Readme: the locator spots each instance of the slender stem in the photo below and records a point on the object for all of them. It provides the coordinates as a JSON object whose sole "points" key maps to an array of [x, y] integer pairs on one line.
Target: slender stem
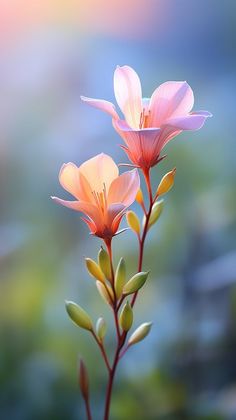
{"points": [[110, 384], [115, 311], [120, 340], [104, 355], [88, 411], [122, 337], [145, 229]]}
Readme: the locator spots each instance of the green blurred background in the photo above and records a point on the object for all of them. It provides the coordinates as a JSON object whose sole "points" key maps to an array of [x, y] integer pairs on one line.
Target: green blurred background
{"points": [[51, 53]]}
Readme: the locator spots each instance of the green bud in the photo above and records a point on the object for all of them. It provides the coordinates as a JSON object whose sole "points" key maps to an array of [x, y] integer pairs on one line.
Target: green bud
{"points": [[140, 333], [105, 292], [126, 317], [120, 278], [104, 263], [133, 221], [156, 212], [101, 328], [135, 283], [94, 270], [79, 316]]}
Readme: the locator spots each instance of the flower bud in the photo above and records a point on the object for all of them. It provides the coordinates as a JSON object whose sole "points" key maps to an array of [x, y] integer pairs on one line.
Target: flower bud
{"points": [[120, 278], [156, 212], [140, 333], [104, 263], [126, 317], [101, 328], [105, 292], [166, 183], [83, 380], [135, 283], [94, 270], [139, 197], [133, 221], [79, 316]]}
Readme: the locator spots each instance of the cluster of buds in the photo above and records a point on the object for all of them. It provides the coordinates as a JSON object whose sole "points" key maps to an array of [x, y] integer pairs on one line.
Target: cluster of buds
{"points": [[104, 197]]}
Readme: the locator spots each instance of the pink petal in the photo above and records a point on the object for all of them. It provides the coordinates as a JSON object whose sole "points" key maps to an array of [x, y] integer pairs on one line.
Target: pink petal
{"points": [[105, 106], [124, 188], [99, 171], [143, 145], [192, 121], [171, 99], [128, 93]]}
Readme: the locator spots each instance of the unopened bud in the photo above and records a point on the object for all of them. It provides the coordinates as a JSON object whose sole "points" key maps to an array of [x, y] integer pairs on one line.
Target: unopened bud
{"points": [[166, 183], [120, 278], [101, 328], [156, 212], [105, 292], [139, 197], [135, 283], [104, 263], [78, 315], [140, 333], [83, 380], [126, 317], [133, 221], [94, 270]]}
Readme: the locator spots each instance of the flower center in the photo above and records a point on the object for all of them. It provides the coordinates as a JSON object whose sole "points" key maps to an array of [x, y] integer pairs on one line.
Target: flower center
{"points": [[144, 118], [100, 198]]}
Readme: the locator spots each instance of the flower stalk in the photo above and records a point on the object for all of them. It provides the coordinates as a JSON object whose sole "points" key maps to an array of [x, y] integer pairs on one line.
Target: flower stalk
{"points": [[104, 196]]}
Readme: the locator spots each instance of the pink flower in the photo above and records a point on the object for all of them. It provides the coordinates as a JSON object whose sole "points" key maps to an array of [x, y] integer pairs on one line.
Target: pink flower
{"points": [[101, 193], [149, 124]]}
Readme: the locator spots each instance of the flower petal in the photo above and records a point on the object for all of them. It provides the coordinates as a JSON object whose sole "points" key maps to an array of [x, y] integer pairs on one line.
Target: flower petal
{"points": [[192, 121], [117, 219], [128, 93], [171, 99], [99, 171], [143, 145], [87, 208], [113, 211], [124, 188], [105, 106], [69, 179]]}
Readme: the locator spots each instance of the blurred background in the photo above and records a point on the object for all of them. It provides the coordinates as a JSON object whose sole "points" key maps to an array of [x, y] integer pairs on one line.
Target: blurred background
{"points": [[51, 53]]}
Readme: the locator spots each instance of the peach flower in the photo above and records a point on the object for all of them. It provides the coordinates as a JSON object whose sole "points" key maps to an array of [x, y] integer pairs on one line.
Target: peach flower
{"points": [[149, 124], [101, 193]]}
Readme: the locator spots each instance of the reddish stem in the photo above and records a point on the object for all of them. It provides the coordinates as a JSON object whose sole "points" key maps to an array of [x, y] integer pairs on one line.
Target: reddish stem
{"points": [[88, 411], [145, 229], [122, 337], [104, 355]]}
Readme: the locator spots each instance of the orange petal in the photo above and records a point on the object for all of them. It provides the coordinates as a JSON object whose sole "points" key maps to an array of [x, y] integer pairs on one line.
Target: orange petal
{"points": [[98, 171], [87, 208], [124, 188], [69, 179]]}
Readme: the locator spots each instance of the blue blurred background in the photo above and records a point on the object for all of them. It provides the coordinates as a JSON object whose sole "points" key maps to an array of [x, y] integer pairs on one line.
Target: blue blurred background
{"points": [[51, 53]]}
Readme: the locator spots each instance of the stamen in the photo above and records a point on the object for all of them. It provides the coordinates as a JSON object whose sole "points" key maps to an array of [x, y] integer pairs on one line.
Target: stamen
{"points": [[141, 121], [101, 199], [144, 117]]}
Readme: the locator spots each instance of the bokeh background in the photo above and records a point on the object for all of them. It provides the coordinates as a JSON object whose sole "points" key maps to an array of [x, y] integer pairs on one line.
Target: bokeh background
{"points": [[51, 53]]}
